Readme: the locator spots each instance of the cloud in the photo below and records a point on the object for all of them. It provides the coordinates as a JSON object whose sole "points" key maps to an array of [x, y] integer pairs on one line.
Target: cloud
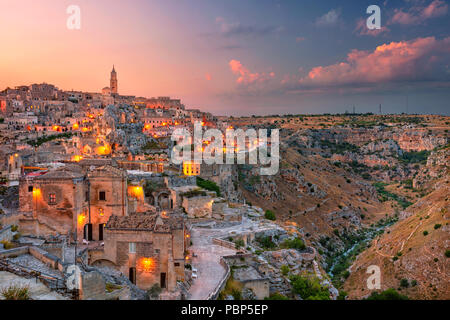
{"points": [[237, 29], [362, 30], [245, 77], [405, 61], [329, 19], [300, 39], [418, 13], [208, 76]]}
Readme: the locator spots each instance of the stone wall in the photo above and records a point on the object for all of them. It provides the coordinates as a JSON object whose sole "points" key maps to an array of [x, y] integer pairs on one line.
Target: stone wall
{"points": [[198, 207], [156, 253], [92, 286]]}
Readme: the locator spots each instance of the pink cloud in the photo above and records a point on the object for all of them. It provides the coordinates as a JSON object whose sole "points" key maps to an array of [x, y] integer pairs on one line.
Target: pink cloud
{"points": [[300, 39], [208, 76], [416, 60], [362, 30], [419, 14], [246, 77]]}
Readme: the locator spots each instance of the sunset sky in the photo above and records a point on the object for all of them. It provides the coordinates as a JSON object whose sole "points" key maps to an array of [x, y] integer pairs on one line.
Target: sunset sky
{"points": [[237, 57]]}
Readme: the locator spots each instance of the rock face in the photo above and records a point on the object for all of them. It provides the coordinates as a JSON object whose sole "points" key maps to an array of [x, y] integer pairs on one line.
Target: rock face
{"points": [[294, 259], [436, 167], [198, 207], [293, 177]]}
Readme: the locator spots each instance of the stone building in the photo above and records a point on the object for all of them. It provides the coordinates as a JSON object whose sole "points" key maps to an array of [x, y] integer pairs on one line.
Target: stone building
{"points": [[114, 82], [56, 200], [149, 248], [108, 196], [71, 199], [10, 163]]}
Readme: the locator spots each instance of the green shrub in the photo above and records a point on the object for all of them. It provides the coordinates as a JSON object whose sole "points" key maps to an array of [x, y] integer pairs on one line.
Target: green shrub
{"points": [[447, 253], [437, 226], [7, 245], [342, 295], [295, 243], [208, 185], [389, 294], [284, 270], [277, 296], [236, 293], [154, 291], [425, 233], [14, 228], [404, 283], [266, 242], [309, 288], [239, 243], [270, 215]]}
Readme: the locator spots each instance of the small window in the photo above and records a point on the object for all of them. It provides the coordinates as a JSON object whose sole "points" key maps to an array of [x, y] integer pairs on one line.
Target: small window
{"points": [[52, 198], [102, 196], [132, 247], [101, 213], [30, 188], [177, 264]]}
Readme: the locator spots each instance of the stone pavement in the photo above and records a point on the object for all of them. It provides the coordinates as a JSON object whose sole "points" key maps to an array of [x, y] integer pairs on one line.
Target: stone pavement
{"points": [[210, 271]]}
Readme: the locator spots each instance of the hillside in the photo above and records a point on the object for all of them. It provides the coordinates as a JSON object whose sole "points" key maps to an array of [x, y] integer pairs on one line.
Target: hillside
{"points": [[413, 249]]}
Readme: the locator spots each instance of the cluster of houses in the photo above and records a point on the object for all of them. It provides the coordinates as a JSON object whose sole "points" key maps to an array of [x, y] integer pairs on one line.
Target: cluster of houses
{"points": [[93, 168]]}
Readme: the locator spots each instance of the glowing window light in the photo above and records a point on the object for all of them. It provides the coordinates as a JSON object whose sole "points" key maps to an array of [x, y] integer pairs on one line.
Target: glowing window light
{"points": [[136, 192], [77, 158], [147, 264], [81, 219], [36, 193]]}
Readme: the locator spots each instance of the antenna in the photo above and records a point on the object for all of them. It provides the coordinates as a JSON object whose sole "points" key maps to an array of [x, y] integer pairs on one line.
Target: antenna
{"points": [[407, 104]]}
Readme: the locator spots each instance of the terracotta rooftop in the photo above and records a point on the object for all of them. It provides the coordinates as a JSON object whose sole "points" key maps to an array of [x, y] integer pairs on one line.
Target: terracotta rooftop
{"points": [[67, 172], [145, 222]]}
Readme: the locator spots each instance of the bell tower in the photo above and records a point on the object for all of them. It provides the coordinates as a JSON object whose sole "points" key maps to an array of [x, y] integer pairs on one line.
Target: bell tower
{"points": [[113, 81]]}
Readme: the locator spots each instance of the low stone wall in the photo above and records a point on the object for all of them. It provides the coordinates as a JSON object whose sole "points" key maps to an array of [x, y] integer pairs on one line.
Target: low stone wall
{"points": [[310, 255], [215, 294], [47, 258], [14, 252], [224, 243], [6, 234], [238, 259]]}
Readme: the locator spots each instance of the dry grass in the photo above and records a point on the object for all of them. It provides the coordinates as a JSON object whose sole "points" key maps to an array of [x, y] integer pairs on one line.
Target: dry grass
{"points": [[15, 292]]}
